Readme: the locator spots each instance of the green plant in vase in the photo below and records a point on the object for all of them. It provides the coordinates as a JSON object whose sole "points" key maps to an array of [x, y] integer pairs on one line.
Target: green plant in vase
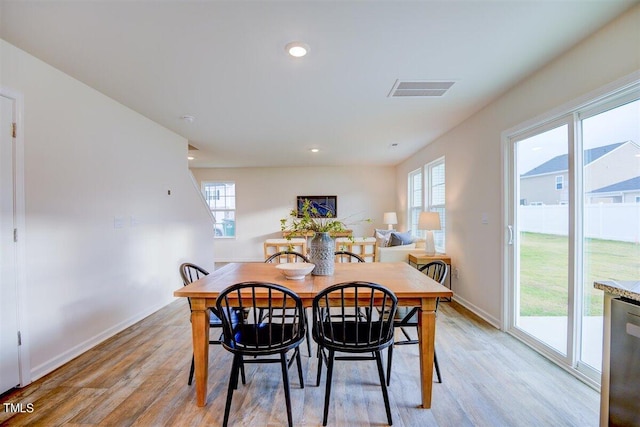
{"points": [[321, 245], [310, 220]]}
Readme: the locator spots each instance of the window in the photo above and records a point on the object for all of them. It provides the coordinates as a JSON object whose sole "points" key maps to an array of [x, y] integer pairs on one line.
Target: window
{"points": [[559, 182], [427, 193], [415, 200], [436, 198], [221, 198]]}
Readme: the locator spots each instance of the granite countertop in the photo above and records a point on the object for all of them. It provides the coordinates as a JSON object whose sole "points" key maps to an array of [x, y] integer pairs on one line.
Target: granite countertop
{"points": [[624, 288]]}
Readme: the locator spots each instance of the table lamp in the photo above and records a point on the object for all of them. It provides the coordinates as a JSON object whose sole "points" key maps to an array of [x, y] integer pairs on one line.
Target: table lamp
{"points": [[390, 218], [429, 221]]}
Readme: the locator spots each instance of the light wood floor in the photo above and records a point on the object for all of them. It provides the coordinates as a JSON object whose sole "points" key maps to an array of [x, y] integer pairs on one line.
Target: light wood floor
{"points": [[139, 377]]}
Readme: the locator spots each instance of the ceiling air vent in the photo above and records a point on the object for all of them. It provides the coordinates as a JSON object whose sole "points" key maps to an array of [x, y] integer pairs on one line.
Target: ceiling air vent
{"points": [[420, 88]]}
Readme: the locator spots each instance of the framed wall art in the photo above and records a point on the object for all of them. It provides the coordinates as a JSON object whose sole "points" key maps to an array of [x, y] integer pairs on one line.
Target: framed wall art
{"points": [[327, 206]]}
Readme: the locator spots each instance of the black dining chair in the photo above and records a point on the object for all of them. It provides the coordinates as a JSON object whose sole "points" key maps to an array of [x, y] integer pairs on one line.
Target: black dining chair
{"points": [[408, 316], [361, 337], [257, 337], [346, 256], [190, 273], [289, 256]]}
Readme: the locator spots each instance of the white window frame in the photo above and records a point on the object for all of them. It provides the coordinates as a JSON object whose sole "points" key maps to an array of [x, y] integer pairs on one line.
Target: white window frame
{"points": [[431, 206], [228, 211], [415, 204], [421, 199]]}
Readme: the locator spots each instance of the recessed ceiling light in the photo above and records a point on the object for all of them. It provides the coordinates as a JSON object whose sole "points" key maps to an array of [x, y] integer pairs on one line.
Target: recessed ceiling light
{"points": [[297, 49], [190, 158], [314, 150]]}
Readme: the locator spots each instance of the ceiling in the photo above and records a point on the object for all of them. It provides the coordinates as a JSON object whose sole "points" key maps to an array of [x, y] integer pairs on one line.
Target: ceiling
{"points": [[224, 63]]}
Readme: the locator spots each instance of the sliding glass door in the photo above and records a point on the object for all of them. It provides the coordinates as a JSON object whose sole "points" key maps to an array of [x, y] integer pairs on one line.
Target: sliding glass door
{"points": [[574, 218], [542, 230], [610, 213]]}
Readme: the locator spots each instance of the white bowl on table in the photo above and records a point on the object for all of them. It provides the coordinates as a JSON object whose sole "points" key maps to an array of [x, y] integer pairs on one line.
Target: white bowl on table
{"points": [[295, 270]]}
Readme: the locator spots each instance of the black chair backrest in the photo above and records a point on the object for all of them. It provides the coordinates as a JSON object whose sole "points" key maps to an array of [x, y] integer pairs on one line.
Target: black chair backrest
{"points": [[287, 256], [346, 256], [190, 273], [437, 270], [263, 329], [336, 327]]}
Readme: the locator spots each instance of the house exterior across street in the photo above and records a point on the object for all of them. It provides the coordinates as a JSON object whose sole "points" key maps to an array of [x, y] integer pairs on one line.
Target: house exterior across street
{"points": [[627, 191], [610, 170]]}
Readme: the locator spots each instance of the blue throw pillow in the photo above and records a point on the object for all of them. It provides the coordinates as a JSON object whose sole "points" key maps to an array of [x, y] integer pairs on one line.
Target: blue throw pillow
{"points": [[399, 239]]}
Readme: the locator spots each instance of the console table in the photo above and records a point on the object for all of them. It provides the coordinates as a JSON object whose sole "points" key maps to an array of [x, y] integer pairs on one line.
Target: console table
{"points": [[271, 246], [418, 259]]}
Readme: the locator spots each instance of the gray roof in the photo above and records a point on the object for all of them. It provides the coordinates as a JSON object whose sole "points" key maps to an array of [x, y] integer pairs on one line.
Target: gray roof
{"points": [[561, 163], [632, 184]]}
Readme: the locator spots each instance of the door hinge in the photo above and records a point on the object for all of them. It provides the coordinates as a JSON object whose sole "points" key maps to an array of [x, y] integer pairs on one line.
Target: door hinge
{"points": [[19, 338], [15, 234], [13, 130]]}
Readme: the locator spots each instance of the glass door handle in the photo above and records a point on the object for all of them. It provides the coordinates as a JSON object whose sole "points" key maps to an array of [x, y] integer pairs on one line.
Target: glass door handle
{"points": [[510, 228]]}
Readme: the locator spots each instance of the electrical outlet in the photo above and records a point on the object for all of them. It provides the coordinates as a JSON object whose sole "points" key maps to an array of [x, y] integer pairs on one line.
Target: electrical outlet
{"points": [[456, 272]]}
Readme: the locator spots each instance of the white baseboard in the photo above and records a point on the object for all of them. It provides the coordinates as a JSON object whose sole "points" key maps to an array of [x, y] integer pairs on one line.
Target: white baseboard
{"points": [[478, 311], [53, 364]]}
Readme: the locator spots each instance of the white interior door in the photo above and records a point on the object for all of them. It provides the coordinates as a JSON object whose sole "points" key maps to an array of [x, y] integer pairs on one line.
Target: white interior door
{"points": [[9, 354]]}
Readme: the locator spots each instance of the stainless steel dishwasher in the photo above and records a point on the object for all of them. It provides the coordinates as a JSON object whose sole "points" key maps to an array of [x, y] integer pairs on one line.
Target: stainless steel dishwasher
{"points": [[624, 387]]}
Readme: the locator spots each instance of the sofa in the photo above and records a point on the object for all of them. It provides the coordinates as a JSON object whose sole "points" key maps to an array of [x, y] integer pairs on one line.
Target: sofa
{"points": [[398, 253]]}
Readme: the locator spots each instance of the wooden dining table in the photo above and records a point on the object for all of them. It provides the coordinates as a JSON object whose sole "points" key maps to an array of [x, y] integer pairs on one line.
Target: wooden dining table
{"points": [[412, 288]]}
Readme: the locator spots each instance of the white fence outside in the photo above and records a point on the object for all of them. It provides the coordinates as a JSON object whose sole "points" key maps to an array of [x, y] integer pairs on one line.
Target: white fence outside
{"points": [[608, 221]]}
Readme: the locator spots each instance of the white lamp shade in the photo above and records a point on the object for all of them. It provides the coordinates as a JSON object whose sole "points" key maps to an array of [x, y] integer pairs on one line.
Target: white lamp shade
{"points": [[390, 218], [429, 221]]}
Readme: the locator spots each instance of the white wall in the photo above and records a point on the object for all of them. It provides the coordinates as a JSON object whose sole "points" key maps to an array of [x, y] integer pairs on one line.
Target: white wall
{"points": [[265, 195], [89, 161], [473, 155]]}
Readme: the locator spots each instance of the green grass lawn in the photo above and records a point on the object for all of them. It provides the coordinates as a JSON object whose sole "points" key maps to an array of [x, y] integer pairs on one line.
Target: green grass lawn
{"points": [[544, 272]]}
